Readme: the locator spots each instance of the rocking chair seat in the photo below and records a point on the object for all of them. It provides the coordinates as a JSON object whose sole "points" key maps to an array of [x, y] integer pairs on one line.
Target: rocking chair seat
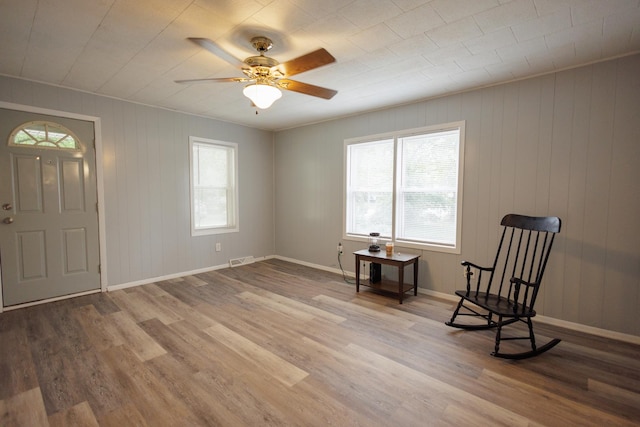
{"points": [[496, 304]]}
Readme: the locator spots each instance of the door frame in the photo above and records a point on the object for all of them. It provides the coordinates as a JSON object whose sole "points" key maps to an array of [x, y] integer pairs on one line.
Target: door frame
{"points": [[99, 186]]}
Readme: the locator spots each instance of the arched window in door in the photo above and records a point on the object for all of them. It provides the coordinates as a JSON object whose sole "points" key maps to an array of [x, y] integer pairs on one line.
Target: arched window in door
{"points": [[43, 134]]}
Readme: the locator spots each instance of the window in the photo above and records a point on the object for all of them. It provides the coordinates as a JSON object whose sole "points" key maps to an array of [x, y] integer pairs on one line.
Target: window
{"points": [[41, 134], [407, 186], [214, 190]]}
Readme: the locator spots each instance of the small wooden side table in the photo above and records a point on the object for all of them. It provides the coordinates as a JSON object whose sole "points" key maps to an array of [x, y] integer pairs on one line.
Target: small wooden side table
{"points": [[396, 259]]}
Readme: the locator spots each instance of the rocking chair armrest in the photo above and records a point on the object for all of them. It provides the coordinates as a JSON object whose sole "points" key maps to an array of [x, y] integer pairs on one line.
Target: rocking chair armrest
{"points": [[470, 264], [467, 266], [518, 282]]}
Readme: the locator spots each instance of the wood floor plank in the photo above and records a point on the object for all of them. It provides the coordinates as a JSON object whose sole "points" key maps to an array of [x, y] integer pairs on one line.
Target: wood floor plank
{"points": [[192, 352], [17, 371], [293, 313], [206, 408], [54, 360], [79, 415], [127, 415], [414, 385], [615, 394], [24, 409], [355, 385], [124, 328], [185, 311], [150, 397], [273, 365], [142, 307], [97, 328], [277, 343], [243, 400], [300, 306], [367, 314], [564, 411]]}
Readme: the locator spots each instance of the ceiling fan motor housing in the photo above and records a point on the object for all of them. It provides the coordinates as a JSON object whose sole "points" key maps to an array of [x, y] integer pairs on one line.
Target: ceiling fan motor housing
{"points": [[261, 61]]}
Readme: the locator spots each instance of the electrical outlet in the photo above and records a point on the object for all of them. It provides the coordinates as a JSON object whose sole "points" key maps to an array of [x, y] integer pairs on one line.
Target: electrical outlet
{"points": [[339, 248], [218, 247]]}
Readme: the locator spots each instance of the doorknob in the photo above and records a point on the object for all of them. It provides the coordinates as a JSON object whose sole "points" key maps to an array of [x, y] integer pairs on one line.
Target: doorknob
{"points": [[7, 206], [8, 220]]}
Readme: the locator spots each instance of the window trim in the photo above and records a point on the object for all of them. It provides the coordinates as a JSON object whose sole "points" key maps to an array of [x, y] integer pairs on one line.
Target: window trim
{"points": [[230, 228], [395, 135]]}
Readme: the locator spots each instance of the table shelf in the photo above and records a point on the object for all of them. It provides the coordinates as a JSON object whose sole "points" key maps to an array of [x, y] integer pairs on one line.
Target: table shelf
{"points": [[396, 259]]}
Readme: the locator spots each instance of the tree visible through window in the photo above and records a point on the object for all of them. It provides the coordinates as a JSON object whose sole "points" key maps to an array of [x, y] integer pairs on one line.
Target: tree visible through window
{"points": [[407, 186], [42, 134], [213, 186]]}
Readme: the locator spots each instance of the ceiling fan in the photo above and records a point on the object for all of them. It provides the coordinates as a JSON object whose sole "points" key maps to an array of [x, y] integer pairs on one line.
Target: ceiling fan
{"points": [[266, 75]]}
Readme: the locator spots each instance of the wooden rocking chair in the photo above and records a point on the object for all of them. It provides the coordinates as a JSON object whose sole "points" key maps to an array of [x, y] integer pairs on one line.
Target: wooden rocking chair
{"points": [[509, 293]]}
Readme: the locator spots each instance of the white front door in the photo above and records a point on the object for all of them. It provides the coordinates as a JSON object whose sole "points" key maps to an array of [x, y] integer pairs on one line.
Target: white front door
{"points": [[48, 213]]}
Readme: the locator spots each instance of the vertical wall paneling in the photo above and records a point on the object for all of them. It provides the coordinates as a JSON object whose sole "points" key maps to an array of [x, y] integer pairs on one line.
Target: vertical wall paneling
{"points": [[600, 132], [526, 144], [563, 144], [560, 132], [145, 183], [470, 111], [622, 272], [484, 159], [573, 232]]}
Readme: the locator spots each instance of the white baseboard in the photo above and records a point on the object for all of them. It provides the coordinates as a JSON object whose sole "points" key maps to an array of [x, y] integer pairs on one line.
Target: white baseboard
{"points": [[316, 266], [120, 286]]}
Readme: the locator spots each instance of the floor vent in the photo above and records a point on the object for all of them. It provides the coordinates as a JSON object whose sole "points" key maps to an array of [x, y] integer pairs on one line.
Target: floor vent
{"points": [[236, 262]]}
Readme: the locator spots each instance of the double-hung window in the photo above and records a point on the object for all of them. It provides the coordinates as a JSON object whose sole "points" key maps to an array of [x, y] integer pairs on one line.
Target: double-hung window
{"points": [[407, 186], [214, 186]]}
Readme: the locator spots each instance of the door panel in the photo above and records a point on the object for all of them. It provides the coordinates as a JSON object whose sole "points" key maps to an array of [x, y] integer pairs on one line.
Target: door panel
{"points": [[74, 250], [51, 248], [72, 186], [32, 258], [28, 183]]}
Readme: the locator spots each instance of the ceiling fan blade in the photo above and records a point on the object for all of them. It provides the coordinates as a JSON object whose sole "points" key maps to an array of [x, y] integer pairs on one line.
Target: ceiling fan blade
{"points": [[215, 80], [306, 62], [306, 88], [214, 48]]}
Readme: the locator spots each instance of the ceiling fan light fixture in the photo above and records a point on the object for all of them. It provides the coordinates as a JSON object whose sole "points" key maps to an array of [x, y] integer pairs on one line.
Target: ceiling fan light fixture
{"points": [[262, 95]]}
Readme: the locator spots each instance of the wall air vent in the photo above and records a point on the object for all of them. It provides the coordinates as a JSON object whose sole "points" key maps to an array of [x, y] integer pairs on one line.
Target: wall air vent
{"points": [[236, 262]]}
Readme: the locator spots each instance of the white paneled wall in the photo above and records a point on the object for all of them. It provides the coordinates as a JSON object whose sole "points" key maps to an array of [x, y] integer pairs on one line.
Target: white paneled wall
{"points": [[146, 183], [566, 144]]}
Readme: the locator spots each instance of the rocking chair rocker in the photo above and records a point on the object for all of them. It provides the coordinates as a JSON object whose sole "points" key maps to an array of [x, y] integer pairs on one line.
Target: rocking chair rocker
{"points": [[514, 280]]}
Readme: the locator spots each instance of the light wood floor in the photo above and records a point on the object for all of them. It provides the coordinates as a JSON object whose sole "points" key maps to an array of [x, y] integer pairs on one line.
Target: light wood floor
{"points": [[275, 343]]}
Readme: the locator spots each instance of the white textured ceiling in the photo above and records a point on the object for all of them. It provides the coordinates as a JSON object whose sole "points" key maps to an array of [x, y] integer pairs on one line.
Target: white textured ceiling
{"points": [[388, 51]]}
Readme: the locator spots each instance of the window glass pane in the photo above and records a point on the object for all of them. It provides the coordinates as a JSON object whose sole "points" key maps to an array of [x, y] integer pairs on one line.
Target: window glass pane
{"points": [[213, 192], [428, 217], [210, 206], [428, 187], [44, 135], [23, 138], [371, 212], [370, 188]]}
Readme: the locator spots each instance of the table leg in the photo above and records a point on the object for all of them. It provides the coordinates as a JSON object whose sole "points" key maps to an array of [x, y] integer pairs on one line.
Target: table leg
{"points": [[415, 277], [401, 281], [357, 273]]}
